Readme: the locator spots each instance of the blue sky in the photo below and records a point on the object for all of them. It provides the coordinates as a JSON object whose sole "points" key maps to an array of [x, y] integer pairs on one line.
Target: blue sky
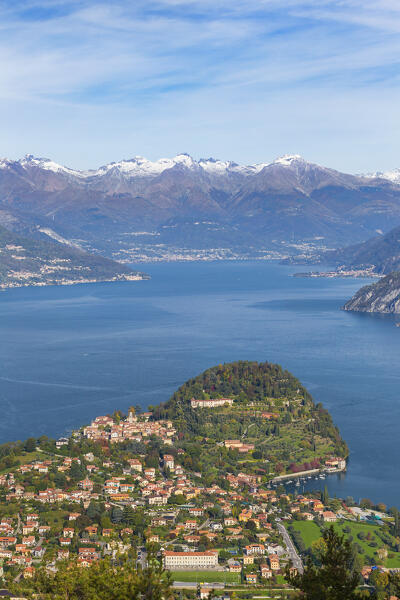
{"points": [[88, 82]]}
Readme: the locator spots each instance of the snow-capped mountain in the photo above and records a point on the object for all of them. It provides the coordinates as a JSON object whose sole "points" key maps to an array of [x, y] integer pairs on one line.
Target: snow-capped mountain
{"points": [[393, 176], [138, 166], [196, 203]]}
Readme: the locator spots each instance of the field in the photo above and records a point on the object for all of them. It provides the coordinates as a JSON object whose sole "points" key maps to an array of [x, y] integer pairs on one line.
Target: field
{"points": [[310, 532], [206, 576], [24, 458]]}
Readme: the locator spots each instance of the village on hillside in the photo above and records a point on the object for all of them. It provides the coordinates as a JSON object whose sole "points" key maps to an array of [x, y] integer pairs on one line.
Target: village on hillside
{"points": [[126, 485]]}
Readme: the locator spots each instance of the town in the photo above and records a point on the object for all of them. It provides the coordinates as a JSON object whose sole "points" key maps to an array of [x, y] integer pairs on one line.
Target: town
{"points": [[71, 504]]}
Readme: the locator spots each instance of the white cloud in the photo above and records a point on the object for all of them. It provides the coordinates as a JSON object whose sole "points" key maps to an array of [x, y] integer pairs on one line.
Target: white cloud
{"points": [[197, 74]]}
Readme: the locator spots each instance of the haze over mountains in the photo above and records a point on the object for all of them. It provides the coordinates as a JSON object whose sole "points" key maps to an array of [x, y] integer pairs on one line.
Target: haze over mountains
{"points": [[137, 208], [27, 261], [381, 253]]}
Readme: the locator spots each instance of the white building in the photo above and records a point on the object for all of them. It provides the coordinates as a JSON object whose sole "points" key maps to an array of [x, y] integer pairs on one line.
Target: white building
{"points": [[210, 403], [169, 462], [198, 560]]}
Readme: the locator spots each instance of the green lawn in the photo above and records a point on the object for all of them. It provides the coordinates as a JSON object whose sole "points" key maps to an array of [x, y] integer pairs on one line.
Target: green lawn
{"points": [[372, 529], [206, 576], [310, 532]]}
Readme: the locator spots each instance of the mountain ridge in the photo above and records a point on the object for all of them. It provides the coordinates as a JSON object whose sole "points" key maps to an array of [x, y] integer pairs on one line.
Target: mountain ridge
{"points": [[206, 205], [138, 164]]}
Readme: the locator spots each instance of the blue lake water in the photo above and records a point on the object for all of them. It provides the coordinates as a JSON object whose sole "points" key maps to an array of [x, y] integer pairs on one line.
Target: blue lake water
{"points": [[68, 354]]}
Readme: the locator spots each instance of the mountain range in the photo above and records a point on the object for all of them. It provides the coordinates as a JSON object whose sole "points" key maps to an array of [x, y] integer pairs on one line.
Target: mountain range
{"points": [[137, 209]]}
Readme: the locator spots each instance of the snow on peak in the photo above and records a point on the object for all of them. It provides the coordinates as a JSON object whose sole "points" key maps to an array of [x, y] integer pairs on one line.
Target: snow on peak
{"points": [[138, 166], [184, 159], [393, 176], [216, 166], [47, 164], [5, 163], [288, 159]]}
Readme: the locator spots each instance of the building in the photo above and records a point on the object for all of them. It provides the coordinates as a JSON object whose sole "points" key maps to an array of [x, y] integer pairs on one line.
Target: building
{"points": [[329, 516], [198, 560], [266, 572], [255, 549], [169, 461], [211, 403], [269, 415], [238, 445], [336, 463], [135, 465], [274, 562]]}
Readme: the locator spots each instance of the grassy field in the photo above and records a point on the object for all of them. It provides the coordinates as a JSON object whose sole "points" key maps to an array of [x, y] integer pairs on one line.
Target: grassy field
{"points": [[55, 517], [206, 576], [24, 458], [310, 532]]}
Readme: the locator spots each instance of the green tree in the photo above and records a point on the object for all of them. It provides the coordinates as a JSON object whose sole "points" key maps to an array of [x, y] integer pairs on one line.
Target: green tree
{"points": [[128, 515], [334, 578], [77, 472], [396, 522], [116, 514], [30, 444], [103, 580]]}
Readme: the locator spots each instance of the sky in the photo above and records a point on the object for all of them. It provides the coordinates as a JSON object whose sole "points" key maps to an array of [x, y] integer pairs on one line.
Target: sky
{"points": [[86, 83]]}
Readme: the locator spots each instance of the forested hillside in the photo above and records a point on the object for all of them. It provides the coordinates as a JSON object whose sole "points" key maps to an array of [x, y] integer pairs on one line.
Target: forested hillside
{"points": [[272, 414]]}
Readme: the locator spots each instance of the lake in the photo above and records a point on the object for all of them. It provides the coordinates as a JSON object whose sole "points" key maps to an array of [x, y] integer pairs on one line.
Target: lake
{"points": [[68, 354]]}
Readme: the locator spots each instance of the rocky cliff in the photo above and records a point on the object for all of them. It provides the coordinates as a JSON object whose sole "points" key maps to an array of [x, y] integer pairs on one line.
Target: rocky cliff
{"points": [[380, 297]]}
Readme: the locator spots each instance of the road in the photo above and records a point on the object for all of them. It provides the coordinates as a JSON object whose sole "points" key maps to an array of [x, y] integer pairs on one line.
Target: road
{"points": [[19, 528], [294, 557], [193, 584], [204, 525]]}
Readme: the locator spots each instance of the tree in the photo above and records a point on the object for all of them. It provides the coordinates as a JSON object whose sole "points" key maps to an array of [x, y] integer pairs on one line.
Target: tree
{"points": [[128, 515], [30, 444], [334, 578], [116, 514], [103, 580], [77, 472], [251, 525], [93, 511], [396, 522]]}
